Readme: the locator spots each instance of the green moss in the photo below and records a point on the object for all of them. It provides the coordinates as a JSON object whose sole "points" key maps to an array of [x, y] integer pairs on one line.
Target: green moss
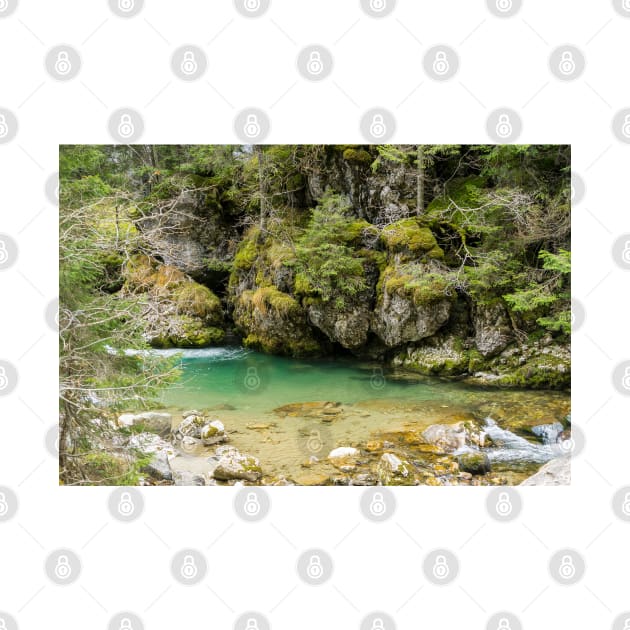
{"points": [[358, 156], [246, 255], [140, 271], [105, 468], [436, 253], [198, 301], [416, 283], [407, 234], [543, 372], [302, 286]]}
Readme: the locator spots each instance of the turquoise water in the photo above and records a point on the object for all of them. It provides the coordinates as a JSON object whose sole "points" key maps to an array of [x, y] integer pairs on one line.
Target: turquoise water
{"points": [[244, 389], [241, 377]]}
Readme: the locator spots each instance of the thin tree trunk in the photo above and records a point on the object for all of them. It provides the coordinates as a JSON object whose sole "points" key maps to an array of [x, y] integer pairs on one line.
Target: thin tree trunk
{"points": [[262, 184], [420, 181]]}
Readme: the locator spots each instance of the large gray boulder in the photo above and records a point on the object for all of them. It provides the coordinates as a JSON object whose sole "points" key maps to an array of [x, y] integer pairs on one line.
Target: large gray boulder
{"points": [[493, 331], [397, 319]]}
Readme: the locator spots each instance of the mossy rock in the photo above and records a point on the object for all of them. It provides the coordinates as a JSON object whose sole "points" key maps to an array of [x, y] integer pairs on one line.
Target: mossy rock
{"points": [[408, 234], [475, 462], [198, 301], [358, 156], [139, 272], [246, 255]]}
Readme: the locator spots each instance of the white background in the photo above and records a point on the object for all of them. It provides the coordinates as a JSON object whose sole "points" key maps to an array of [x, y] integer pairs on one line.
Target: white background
{"points": [[251, 62]]}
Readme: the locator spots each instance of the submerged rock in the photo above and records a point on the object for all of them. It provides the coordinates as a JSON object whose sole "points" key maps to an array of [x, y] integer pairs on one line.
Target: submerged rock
{"points": [[474, 462], [394, 471], [548, 433], [343, 452], [452, 437]]}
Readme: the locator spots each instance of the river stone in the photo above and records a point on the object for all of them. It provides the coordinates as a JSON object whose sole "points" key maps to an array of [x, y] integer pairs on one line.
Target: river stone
{"points": [[235, 465], [187, 478], [317, 408], [152, 421], [556, 472], [213, 433], [393, 470], [343, 452], [474, 462], [451, 437]]}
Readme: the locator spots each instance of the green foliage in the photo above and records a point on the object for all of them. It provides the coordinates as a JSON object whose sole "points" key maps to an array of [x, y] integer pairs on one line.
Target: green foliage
{"points": [[549, 298], [407, 234], [325, 261]]}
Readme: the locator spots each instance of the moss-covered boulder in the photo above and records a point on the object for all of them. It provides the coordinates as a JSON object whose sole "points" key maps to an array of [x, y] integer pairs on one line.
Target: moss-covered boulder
{"points": [[474, 462], [274, 322], [408, 235], [182, 313], [346, 324], [412, 303]]}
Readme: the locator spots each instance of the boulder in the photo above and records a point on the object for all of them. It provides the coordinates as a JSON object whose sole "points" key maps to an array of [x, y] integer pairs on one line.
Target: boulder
{"points": [[234, 465], [403, 313], [152, 421], [556, 472], [150, 444], [493, 331], [348, 326]]}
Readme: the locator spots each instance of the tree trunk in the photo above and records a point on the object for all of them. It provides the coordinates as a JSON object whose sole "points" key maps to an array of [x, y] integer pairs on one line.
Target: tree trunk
{"points": [[262, 186], [420, 181]]}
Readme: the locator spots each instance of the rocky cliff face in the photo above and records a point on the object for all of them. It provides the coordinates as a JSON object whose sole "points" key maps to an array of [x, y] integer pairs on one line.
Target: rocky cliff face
{"points": [[410, 311]]}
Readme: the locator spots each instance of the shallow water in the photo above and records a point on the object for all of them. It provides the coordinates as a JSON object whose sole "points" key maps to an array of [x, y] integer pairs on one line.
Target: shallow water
{"points": [[243, 388]]}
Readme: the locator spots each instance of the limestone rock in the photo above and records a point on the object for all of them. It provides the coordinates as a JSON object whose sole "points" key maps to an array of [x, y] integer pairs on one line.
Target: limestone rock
{"points": [[556, 472], [234, 465]]}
